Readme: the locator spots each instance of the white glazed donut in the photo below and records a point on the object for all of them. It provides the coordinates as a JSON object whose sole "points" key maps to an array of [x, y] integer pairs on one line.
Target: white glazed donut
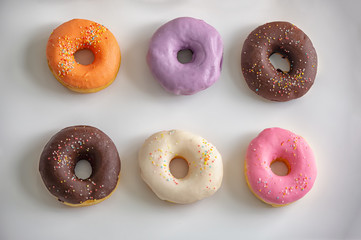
{"points": [[205, 172]]}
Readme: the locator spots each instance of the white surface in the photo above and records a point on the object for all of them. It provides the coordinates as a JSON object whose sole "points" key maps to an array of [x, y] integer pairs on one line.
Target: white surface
{"points": [[34, 106]]}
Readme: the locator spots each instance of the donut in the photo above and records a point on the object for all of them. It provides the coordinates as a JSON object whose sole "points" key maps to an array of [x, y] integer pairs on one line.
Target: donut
{"points": [[292, 43], [277, 144], [185, 33], [205, 172], [79, 34], [61, 154]]}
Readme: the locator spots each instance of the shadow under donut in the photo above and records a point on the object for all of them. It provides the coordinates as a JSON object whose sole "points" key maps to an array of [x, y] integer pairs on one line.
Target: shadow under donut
{"points": [[132, 182], [135, 64], [35, 61], [233, 54], [29, 176], [235, 180]]}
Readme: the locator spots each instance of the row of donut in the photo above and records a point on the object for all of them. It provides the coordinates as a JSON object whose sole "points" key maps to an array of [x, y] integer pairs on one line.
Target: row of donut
{"points": [[204, 68], [204, 177]]}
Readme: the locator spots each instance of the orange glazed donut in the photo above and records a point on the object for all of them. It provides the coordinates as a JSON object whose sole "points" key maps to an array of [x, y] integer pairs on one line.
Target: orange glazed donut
{"points": [[79, 34]]}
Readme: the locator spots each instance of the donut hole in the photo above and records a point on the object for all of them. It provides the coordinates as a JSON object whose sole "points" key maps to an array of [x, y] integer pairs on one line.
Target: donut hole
{"points": [[185, 56], [179, 167], [83, 169], [280, 167], [280, 62], [84, 56]]}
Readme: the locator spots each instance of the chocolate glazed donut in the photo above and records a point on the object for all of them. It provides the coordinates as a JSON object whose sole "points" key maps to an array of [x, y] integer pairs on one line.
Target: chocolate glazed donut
{"points": [[64, 150], [262, 77]]}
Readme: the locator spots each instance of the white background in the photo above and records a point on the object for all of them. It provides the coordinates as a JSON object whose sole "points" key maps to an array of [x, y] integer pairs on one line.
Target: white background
{"points": [[34, 106]]}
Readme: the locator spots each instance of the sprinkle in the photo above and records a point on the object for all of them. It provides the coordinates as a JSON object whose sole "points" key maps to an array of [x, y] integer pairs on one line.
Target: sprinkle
{"points": [[68, 46]]}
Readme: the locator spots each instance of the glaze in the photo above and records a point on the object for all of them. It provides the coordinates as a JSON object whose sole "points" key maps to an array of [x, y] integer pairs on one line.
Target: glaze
{"points": [[186, 33], [79, 34], [276, 144], [205, 166], [64, 150], [262, 77]]}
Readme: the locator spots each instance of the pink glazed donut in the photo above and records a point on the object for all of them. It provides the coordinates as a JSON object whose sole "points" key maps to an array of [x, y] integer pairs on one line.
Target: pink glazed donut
{"points": [[277, 144], [186, 33]]}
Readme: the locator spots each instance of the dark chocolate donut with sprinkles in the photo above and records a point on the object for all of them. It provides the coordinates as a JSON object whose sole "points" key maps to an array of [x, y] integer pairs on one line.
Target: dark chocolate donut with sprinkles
{"points": [[60, 156], [262, 77]]}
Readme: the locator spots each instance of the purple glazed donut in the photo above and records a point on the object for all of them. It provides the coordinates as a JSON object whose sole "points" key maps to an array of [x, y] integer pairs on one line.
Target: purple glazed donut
{"points": [[186, 33]]}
